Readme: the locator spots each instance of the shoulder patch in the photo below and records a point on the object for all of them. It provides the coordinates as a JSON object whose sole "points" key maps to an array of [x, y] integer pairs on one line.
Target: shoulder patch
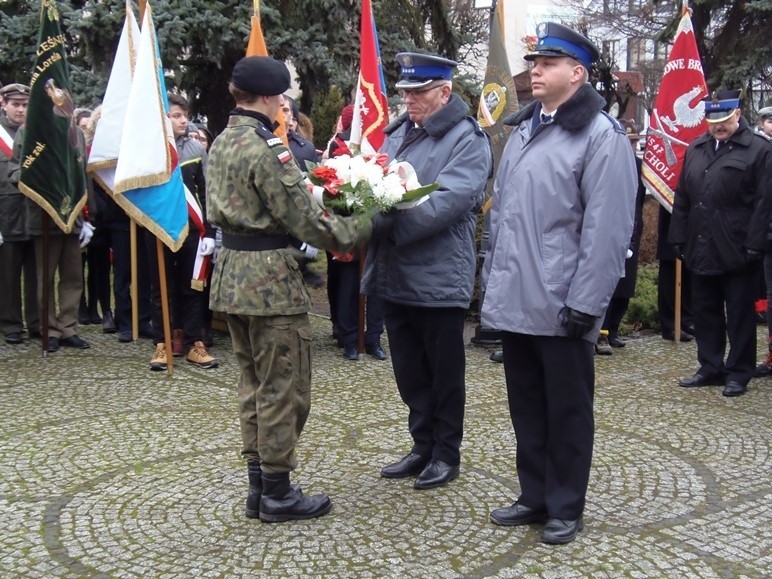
{"points": [[284, 156], [274, 141]]}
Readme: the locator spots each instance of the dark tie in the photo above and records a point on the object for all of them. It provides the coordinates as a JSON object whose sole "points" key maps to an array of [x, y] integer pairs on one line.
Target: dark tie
{"points": [[546, 119]]}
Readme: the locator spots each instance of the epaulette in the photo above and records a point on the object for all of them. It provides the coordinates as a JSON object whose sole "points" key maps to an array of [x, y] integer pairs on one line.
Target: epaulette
{"points": [[477, 128], [614, 123], [270, 139]]}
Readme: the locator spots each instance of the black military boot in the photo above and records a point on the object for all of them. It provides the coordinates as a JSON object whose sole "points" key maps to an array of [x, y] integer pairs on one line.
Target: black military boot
{"points": [[281, 502], [252, 510]]}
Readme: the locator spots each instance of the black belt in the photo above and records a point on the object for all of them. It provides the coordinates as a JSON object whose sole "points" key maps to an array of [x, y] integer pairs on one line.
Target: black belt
{"points": [[254, 242]]}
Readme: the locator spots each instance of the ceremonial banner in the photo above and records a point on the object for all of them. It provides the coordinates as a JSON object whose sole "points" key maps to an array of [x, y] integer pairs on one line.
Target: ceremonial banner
{"points": [[148, 181], [678, 116], [103, 156], [498, 98], [257, 47], [52, 165], [371, 108]]}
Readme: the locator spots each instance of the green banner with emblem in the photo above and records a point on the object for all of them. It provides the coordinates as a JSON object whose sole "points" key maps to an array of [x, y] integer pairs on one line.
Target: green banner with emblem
{"points": [[51, 162], [498, 98]]}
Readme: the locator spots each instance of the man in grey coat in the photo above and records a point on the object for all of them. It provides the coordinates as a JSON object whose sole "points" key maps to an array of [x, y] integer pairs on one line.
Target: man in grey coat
{"points": [[562, 216], [422, 263]]}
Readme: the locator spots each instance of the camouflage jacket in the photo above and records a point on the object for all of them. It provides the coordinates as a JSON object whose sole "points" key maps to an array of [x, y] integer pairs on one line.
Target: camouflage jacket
{"points": [[254, 188]]}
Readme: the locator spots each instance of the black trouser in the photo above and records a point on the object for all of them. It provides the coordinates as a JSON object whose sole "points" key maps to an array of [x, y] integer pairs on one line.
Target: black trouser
{"points": [[550, 387], [712, 295], [666, 297], [17, 258], [427, 352], [347, 301], [333, 285], [614, 314], [121, 244], [184, 301], [96, 284]]}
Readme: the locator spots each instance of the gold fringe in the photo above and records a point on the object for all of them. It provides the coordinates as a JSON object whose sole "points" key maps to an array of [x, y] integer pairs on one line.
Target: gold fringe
{"points": [[93, 167], [143, 220], [65, 226], [141, 182]]}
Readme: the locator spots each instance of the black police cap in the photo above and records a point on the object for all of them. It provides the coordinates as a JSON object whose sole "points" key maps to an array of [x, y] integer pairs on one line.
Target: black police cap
{"points": [[418, 70], [721, 104], [555, 39], [261, 75]]}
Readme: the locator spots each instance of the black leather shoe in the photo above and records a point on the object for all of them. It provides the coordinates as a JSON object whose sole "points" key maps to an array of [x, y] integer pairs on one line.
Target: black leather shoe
{"points": [[350, 352], [53, 345], [410, 465], [436, 474], [561, 531], [497, 356], [108, 323], [733, 388], [699, 380], [517, 514], [75, 341], [14, 338], [124, 336], [615, 341], [376, 351]]}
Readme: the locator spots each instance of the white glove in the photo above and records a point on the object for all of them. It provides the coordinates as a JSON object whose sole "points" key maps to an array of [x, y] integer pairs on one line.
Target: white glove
{"points": [[629, 254], [1, 239], [310, 251], [86, 233], [206, 246]]}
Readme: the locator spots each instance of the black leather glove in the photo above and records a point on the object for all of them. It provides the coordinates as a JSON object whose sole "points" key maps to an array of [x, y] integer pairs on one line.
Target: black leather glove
{"points": [[679, 250], [383, 225], [753, 254], [576, 323]]}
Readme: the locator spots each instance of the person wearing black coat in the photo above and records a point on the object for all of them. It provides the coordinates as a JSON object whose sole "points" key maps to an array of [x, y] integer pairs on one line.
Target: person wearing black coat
{"points": [[720, 222]]}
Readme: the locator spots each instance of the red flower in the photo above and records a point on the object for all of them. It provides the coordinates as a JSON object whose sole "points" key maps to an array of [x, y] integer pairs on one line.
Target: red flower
{"points": [[324, 173]]}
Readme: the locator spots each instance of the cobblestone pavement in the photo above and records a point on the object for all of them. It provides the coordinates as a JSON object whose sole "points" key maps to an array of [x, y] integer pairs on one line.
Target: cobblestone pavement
{"points": [[108, 469]]}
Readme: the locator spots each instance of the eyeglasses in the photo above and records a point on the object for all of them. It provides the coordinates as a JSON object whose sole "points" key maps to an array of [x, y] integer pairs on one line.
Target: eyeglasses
{"points": [[416, 92]]}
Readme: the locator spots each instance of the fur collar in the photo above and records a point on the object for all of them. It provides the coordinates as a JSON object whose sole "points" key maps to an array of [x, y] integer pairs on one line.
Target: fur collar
{"points": [[572, 115], [440, 122]]}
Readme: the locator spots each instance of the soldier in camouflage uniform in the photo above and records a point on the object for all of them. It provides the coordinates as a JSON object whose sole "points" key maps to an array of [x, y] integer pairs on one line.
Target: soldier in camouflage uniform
{"points": [[257, 196]]}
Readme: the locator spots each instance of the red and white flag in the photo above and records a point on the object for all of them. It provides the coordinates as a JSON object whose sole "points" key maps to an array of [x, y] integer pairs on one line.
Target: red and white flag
{"points": [[678, 116], [371, 108]]}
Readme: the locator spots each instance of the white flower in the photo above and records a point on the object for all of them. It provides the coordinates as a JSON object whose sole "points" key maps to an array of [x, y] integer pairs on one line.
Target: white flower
{"points": [[342, 166]]}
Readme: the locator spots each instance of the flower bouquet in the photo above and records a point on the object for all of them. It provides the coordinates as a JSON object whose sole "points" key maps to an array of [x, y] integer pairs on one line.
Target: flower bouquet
{"points": [[364, 184]]}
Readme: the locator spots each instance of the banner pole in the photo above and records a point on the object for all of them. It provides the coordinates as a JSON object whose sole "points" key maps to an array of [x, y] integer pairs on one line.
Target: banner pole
{"points": [[165, 306], [46, 281], [677, 320], [133, 286]]}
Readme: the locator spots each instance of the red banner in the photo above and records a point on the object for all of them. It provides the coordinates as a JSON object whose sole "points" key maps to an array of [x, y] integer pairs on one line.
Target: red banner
{"points": [[678, 116], [371, 109]]}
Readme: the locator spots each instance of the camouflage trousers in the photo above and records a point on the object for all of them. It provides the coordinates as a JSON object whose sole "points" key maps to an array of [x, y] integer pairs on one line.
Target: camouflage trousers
{"points": [[274, 355]]}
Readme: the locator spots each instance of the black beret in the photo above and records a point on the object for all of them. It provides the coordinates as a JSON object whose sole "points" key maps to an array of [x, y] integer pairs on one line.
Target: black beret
{"points": [[261, 75]]}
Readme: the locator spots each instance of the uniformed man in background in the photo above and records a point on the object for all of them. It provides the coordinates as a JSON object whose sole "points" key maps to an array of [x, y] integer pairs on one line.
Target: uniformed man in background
{"points": [[720, 223], [17, 253], [257, 196]]}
